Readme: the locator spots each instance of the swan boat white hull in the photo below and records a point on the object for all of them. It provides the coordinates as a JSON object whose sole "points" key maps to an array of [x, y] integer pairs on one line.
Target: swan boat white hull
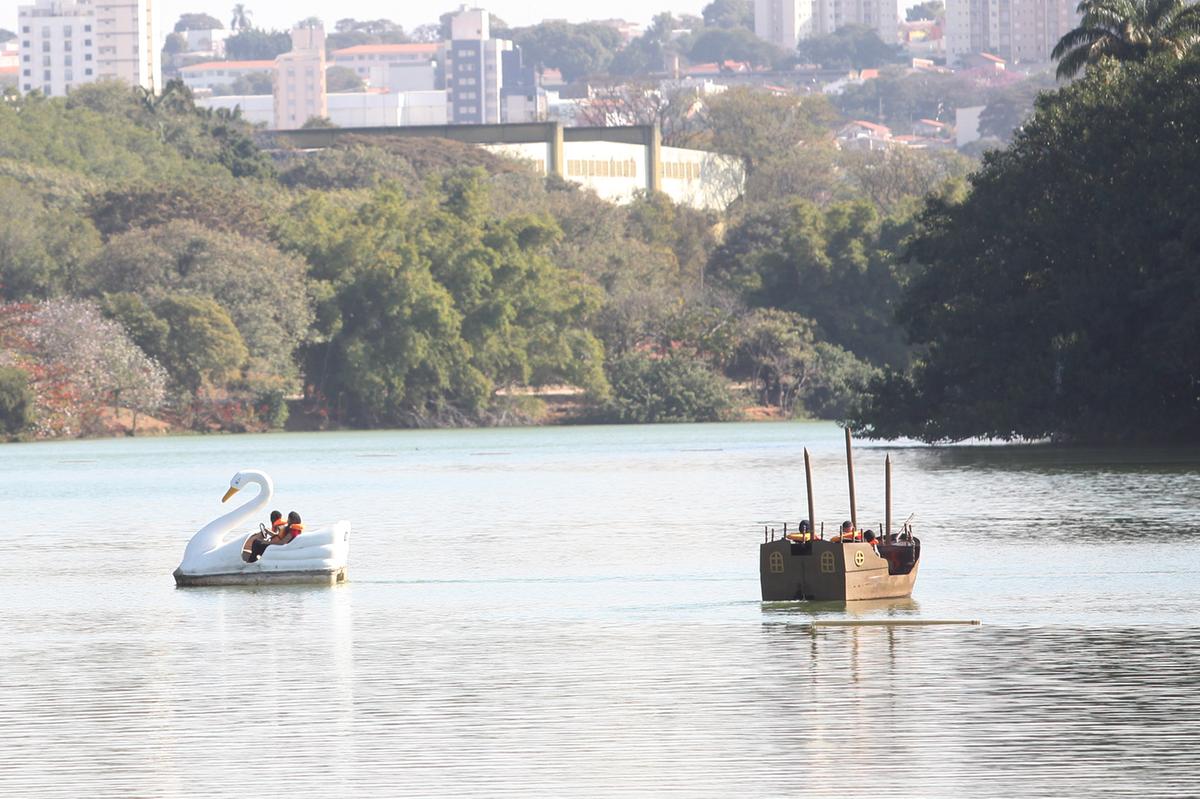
{"points": [[318, 557]]}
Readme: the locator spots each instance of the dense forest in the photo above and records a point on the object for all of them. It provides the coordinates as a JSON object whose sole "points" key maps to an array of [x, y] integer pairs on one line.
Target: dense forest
{"points": [[1060, 297], [165, 265]]}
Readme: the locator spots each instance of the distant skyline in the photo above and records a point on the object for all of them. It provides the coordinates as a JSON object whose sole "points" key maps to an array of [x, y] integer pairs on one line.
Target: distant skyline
{"points": [[282, 14]]}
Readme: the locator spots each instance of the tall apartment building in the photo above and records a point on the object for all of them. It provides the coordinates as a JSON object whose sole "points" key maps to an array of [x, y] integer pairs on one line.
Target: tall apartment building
{"points": [[68, 42], [882, 15], [486, 80], [300, 80], [474, 69], [783, 23], [1016, 30]]}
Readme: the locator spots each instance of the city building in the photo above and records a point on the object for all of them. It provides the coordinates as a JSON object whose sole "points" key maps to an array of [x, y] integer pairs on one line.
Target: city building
{"points": [[783, 23], [862, 135], [211, 74], [380, 64], [208, 43], [10, 64], [486, 79], [300, 79], [1020, 31], [64, 43], [882, 15], [617, 163], [375, 109], [474, 69], [58, 49]]}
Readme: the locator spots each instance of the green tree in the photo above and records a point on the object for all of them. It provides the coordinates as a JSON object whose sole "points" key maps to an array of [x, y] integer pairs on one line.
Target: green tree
{"points": [[1127, 30], [1077, 317], [343, 79], [6, 35], [729, 14], [143, 326], [256, 44], [241, 18], [261, 289], [42, 247], [197, 22], [928, 10], [898, 97], [854, 46], [202, 346], [736, 44], [318, 122], [175, 44], [676, 388], [576, 50], [16, 399], [253, 83], [1009, 106], [776, 350], [759, 126], [834, 266], [426, 306], [893, 178]]}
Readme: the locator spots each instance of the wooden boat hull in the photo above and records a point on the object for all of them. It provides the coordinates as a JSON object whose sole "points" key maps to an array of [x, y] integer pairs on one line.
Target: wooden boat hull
{"points": [[309, 577], [830, 571]]}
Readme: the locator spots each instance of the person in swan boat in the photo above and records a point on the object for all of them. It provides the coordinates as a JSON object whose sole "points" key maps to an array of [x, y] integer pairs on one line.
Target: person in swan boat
{"points": [[277, 534]]}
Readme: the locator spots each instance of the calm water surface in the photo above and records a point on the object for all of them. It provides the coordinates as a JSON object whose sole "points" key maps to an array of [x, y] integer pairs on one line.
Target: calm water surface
{"points": [[574, 612]]}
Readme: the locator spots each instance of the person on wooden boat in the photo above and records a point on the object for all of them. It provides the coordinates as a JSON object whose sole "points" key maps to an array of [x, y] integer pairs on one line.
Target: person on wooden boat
{"points": [[802, 534], [259, 545], [869, 537], [848, 532]]}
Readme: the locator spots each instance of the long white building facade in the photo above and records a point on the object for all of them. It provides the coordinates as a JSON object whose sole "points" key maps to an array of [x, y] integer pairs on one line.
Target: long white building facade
{"points": [[64, 43]]}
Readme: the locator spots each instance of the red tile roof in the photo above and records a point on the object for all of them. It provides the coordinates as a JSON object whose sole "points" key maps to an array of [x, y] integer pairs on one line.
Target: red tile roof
{"points": [[882, 130]]}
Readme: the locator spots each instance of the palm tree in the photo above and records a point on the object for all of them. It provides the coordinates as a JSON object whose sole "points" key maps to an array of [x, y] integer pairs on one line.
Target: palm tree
{"points": [[1127, 30], [241, 18]]}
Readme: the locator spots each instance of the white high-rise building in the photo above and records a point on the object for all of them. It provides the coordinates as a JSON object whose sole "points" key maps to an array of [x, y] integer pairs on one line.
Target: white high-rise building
{"points": [[474, 69], [68, 42], [57, 46], [1016, 30], [882, 15], [300, 93], [783, 23]]}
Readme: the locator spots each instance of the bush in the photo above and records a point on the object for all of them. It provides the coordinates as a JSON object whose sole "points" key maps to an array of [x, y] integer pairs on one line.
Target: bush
{"points": [[676, 388], [16, 401]]}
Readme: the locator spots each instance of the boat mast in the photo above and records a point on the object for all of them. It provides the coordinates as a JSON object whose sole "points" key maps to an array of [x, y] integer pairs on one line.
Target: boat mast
{"points": [[887, 493], [850, 472], [812, 520]]}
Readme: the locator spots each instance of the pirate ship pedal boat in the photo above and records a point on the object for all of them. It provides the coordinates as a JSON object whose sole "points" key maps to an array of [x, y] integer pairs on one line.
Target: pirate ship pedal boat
{"points": [[843, 568]]}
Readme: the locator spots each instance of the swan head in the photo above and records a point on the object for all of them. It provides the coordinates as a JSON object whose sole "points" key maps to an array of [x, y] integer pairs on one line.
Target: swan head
{"points": [[235, 485], [249, 477]]}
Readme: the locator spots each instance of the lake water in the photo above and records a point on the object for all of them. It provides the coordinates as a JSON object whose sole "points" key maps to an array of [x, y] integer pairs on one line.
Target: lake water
{"points": [[575, 612]]}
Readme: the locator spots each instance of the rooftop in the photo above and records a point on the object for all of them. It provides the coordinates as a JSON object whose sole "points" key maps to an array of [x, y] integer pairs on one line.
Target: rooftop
{"points": [[882, 130], [418, 48], [213, 66]]}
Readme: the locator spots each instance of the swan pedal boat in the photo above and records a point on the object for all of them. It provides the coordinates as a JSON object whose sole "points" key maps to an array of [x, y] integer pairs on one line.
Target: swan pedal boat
{"points": [[218, 555]]}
